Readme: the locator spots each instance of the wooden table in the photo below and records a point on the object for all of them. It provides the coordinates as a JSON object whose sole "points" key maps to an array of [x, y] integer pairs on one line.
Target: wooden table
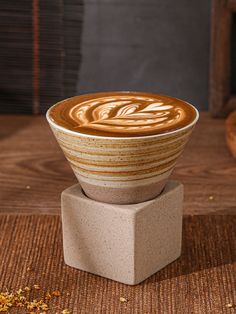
{"points": [[34, 172]]}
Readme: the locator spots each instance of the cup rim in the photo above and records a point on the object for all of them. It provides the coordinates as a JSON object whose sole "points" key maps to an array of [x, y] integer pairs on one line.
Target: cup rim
{"points": [[61, 128]]}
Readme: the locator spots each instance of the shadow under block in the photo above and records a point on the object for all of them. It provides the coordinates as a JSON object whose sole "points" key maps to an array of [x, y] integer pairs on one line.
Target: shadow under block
{"points": [[126, 243]]}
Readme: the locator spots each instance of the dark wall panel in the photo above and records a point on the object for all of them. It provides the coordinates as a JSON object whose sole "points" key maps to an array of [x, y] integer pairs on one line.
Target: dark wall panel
{"points": [[39, 53], [150, 45], [233, 56], [16, 56]]}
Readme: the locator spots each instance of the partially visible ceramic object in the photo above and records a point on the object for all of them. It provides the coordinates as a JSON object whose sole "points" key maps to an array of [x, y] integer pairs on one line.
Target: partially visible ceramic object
{"points": [[231, 133], [122, 170], [126, 243]]}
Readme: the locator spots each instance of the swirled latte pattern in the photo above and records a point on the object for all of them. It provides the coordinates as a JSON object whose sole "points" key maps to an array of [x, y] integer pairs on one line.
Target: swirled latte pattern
{"points": [[122, 114]]}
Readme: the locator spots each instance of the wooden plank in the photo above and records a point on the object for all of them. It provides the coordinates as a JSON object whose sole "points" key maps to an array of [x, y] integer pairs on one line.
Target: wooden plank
{"points": [[231, 103], [231, 4], [220, 57], [31, 45], [231, 132], [16, 56], [30, 156]]}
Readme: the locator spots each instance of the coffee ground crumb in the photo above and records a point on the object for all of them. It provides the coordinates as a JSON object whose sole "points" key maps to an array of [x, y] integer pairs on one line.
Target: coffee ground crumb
{"points": [[229, 305], [37, 287], [56, 293], [10, 300]]}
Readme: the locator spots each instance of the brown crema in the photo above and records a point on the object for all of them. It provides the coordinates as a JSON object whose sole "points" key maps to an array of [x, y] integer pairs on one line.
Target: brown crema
{"points": [[122, 114]]}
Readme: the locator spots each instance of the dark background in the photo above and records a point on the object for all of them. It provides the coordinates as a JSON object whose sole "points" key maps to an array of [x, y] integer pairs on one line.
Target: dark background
{"points": [[151, 45], [94, 45], [233, 56]]}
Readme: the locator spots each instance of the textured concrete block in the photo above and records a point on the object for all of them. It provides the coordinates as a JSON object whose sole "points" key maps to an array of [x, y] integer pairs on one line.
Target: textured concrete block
{"points": [[126, 243]]}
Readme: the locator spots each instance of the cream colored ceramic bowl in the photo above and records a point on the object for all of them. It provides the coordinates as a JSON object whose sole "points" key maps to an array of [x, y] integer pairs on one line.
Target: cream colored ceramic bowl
{"points": [[122, 170]]}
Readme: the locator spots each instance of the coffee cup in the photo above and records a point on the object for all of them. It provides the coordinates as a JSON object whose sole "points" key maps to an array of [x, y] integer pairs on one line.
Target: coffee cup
{"points": [[122, 146]]}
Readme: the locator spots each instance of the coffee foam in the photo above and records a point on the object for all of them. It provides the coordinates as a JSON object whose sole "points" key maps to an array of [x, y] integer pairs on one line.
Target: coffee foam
{"points": [[122, 114]]}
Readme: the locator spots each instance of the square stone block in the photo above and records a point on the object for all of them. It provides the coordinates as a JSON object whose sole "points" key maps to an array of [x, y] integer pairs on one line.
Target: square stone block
{"points": [[126, 243]]}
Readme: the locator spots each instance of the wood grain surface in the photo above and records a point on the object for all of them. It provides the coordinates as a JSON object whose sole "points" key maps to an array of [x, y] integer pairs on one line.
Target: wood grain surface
{"points": [[221, 100], [201, 281], [34, 172], [231, 132]]}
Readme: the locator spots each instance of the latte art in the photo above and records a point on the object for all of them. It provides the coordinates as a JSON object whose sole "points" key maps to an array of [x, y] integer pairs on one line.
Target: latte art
{"points": [[122, 114], [125, 113]]}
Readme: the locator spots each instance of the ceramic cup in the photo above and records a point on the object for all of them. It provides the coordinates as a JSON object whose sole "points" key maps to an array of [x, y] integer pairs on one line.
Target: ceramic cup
{"points": [[122, 170]]}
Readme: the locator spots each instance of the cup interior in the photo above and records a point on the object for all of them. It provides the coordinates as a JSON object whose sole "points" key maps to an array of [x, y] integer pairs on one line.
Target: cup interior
{"points": [[76, 133]]}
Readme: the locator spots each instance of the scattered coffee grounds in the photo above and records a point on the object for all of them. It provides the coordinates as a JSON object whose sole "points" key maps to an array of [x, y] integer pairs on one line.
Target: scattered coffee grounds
{"points": [[229, 305], [22, 299]]}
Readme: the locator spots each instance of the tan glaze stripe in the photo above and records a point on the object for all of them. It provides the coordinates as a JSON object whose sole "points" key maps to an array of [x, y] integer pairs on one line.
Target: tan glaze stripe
{"points": [[120, 169], [107, 164], [124, 152], [140, 157], [142, 181], [119, 180], [127, 173], [130, 168], [153, 150], [123, 163], [118, 143]]}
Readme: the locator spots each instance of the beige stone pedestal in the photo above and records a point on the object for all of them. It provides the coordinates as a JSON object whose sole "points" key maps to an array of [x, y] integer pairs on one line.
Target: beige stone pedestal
{"points": [[126, 243]]}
